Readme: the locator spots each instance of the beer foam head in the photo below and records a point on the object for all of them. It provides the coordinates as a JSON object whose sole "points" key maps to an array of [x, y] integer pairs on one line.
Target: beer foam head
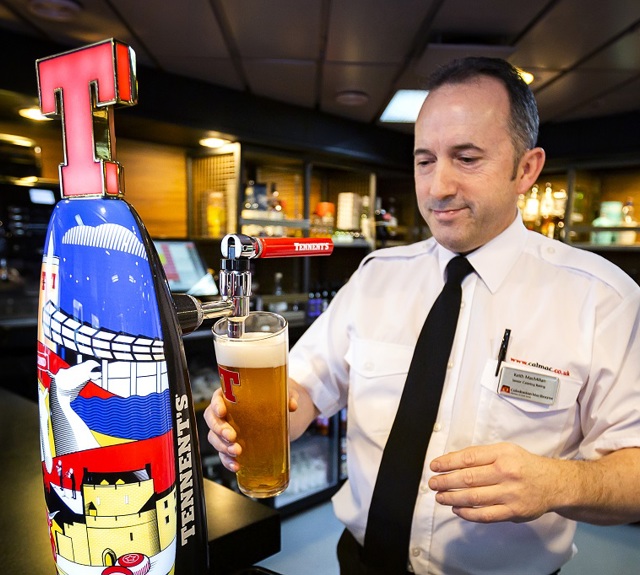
{"points": [[252, 350]]}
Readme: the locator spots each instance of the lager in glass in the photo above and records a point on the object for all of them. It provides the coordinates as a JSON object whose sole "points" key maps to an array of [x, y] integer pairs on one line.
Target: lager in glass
{"points": [[253, 376]]}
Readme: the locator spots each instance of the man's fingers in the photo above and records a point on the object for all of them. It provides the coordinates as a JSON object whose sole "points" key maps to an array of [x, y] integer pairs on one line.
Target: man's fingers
{"points": [[229, 462], [464, 478], [468, 457]]}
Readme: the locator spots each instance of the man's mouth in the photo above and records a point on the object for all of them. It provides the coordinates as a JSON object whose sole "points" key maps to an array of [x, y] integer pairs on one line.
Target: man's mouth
{"points": [[446, 214]]}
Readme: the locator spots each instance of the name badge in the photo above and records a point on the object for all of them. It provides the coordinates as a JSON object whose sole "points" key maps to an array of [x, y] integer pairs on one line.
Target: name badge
{"points": [[536, 387]]}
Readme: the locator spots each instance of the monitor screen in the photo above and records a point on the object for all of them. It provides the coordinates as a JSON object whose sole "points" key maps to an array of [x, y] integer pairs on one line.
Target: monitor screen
{"points": [[42, 196], [25, 211], [184, 268]]}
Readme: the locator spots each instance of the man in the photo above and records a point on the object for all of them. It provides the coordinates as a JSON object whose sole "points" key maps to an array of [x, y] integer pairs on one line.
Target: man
{"points": [[506, 475]]}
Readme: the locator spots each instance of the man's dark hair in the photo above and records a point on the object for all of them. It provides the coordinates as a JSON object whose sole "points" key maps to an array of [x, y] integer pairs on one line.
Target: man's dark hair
{"points": [[524, 120]]}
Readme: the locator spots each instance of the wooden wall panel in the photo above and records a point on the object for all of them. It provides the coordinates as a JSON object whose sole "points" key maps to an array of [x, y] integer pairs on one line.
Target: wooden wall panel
{"points": [[155, 176], [156, 186]]}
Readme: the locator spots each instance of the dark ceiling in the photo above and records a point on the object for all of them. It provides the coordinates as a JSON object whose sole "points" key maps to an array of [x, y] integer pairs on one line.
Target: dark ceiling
{"points": [[584, 54]]}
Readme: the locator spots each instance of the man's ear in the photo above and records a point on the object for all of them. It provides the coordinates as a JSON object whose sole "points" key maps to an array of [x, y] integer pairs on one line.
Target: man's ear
{"points": [[529, 169]]}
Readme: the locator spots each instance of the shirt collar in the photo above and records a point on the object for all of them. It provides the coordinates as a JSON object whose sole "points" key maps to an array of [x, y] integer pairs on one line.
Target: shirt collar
{"points": [[492, 261]]}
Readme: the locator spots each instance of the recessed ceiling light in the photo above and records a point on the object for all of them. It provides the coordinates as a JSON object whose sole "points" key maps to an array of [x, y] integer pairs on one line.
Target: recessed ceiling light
{"points": [[404, 106], [56, 10], [17, 140], [352, 98], [213, 142], [33, 113]]}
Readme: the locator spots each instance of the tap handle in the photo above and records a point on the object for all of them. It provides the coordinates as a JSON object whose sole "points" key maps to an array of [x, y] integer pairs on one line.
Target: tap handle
{"points": [[294, 247], [240, 246]]}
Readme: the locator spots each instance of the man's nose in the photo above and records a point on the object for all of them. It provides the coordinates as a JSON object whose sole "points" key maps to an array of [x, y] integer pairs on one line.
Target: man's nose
{"points": [[443, 183]]}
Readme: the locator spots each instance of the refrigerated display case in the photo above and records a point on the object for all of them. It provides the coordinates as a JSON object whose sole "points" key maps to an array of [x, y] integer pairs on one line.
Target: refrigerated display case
{"points": [[317, 467]]}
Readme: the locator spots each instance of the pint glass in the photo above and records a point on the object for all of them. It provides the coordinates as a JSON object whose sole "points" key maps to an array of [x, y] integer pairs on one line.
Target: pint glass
{"points": [[253, 375]]}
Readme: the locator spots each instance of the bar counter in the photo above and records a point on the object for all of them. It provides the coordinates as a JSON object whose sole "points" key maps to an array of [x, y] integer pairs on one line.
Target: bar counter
{"points": [[242, 532]]}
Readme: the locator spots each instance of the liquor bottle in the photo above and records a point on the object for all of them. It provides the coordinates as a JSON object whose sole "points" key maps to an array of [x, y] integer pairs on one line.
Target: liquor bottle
{"points": [[628, 212], [392, 221], [559, 212], [531, 211], [547, 224], [276, 212], [365, 220], [628, 220], [250, 211], [278, 306], [382, 220], [216, 215]]}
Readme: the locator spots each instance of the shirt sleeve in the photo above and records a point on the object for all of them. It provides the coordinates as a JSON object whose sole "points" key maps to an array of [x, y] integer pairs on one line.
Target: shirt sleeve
{"points": [[610, 403], [317, 360]]}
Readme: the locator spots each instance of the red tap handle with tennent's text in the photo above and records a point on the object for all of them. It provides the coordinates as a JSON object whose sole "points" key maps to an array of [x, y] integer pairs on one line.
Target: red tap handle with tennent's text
{"points": [[243, 247], [293, 247]]}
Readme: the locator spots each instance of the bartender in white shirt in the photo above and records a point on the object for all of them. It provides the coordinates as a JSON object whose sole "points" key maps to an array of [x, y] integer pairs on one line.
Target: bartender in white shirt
{"points": [[538, 423]]}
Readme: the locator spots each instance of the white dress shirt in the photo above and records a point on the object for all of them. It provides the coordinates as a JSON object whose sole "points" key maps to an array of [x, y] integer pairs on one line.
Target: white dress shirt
{"points": [[571, 314]]}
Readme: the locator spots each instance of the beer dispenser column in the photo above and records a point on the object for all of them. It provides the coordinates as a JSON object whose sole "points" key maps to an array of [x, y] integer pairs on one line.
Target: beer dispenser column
{"points": [[120, 459], [121, 466]]}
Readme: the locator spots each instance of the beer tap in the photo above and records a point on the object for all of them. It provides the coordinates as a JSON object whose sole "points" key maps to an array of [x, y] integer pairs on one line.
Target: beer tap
{"points": [[235, 278], [112, 349]]}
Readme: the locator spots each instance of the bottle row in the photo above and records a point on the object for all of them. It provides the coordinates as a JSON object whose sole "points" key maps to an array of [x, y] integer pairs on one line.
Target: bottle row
{"points": [[546, 211], [266, 212], [297, 308]]}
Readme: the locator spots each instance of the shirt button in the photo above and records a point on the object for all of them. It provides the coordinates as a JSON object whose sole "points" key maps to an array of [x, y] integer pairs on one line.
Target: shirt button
{"points": [[424, 488], [368, 366], [437, 427], [461, 304], [551, 250], [449, 365], [415, 551]]}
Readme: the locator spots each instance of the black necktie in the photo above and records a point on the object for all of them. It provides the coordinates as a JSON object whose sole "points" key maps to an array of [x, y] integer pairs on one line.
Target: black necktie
{"points": [[386, 542]]}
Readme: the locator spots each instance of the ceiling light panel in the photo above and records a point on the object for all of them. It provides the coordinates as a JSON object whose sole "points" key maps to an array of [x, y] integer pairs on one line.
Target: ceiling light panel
{"points": [[404, 106]]}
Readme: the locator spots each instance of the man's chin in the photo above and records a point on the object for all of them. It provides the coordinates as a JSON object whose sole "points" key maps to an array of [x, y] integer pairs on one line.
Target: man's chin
{"points": [[454, 243]]}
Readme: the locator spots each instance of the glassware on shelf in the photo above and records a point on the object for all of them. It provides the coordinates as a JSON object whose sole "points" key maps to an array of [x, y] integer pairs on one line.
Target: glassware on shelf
{"points": [[255, 207], [322, 220], [610, 216], [628, 220], [349, 207]]}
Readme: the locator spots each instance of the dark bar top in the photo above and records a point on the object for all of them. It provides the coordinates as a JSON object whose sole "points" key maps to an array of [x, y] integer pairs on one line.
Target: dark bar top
{"points": [[241, 531]]}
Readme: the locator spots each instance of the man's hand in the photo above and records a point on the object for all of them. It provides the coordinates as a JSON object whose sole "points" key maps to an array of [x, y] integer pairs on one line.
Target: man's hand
{"points": [[504, 482], [223, 437], [492, 483]]}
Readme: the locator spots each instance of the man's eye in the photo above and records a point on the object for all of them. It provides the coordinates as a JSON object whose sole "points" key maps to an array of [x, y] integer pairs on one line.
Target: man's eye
{"points": [[467, 159]]}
